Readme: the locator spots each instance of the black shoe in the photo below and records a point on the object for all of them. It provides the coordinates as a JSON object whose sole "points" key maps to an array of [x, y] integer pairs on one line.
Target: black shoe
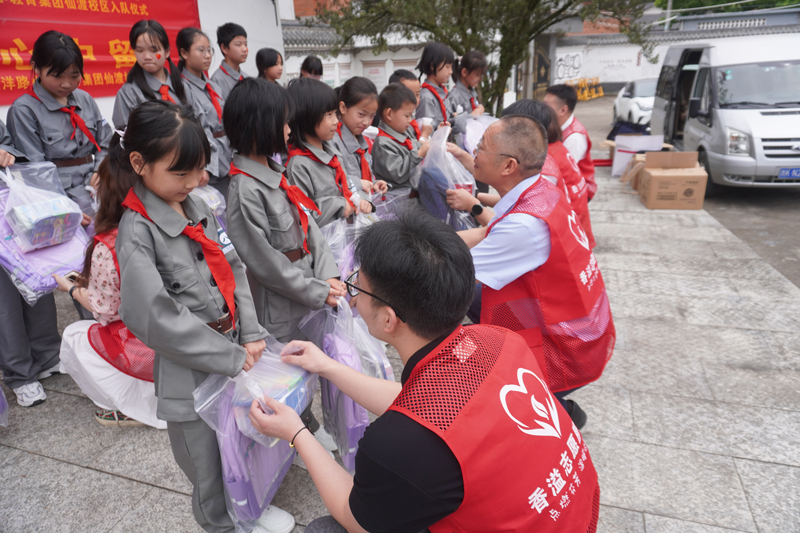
{"points": [[577, 414]]}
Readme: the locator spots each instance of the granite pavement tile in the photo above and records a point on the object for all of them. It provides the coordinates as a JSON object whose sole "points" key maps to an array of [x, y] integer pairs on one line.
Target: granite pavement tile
{"points": [[733, 250], [675, 284], [608, 409], [62, 383], [298, 495], [773, 315], [761, 384], [785, 348], [43, 494], [680, 484], [611, 260], [159, 511], [616, 520], [648, 306], [773, 492], [659, 248], [766, 290], [662, 524], [721, 428]]}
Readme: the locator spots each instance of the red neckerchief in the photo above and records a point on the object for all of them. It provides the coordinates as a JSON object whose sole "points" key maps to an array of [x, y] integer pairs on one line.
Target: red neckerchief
{"points": [[296, 197], [417, 131], [366, 173], [220, 268], [340, 176], [213, 95], [430, 87], [164, 90], [74, 118], [472, 103], [407, 143], [226, 72]]}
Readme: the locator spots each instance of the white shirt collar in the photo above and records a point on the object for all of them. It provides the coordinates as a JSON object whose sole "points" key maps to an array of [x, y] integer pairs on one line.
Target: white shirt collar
{"points": [[510, 199], [568, 123]]}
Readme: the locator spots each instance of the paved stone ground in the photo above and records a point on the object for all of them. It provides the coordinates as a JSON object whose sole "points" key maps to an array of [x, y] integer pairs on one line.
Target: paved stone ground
{"points": [[694, 426]]}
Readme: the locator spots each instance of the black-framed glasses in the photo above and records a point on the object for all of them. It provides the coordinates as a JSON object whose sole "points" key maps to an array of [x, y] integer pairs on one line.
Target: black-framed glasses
{"points": [[479, 149], [353, 290]]}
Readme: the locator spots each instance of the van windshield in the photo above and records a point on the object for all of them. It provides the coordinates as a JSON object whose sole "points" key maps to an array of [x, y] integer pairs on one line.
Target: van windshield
{"points": [[773, 84]]}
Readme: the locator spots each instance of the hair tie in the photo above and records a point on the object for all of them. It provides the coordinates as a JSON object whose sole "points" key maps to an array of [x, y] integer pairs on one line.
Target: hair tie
{"points": [[121, 135]]}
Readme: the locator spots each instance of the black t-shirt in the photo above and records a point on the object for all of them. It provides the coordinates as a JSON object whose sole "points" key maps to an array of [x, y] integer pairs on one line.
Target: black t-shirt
{"points": [[406, 476]]}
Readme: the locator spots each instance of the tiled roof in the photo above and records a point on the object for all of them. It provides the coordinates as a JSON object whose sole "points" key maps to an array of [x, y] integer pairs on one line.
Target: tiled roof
{"points": [[297, 34], [607, 39]]}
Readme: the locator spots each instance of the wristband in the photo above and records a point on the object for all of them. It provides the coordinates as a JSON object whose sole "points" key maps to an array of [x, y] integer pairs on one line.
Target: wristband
{"points": [[423, 139], [72, 289], [291, 443]]}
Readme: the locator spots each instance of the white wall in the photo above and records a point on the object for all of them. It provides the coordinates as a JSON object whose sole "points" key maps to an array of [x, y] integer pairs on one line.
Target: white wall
{"points": [[256, 16]]}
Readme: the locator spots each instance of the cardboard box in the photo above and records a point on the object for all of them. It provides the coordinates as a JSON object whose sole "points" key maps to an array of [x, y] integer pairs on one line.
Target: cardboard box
{"points": [[612, 145], [633, 171], [672, 180]]}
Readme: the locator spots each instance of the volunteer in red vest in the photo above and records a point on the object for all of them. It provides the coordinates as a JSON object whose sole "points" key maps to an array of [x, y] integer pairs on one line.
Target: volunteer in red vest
{"points": [[472, 440], [563, 98], [535, 263]]}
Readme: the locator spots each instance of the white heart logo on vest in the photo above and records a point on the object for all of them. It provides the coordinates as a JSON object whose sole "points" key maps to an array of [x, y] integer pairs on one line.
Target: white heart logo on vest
{"points": [[577, 230], [546, 413]]}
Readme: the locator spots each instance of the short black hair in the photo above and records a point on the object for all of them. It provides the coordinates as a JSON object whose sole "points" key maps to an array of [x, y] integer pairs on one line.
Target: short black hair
{"points": [[433, 55], [473, 61], [312, 99], [56, 51], [402, 74], [312, 65], [266, 58], [228, 32], [255, 112], [355, 90], [566, 93], [426, 271], [542, 112], [393, 96]]}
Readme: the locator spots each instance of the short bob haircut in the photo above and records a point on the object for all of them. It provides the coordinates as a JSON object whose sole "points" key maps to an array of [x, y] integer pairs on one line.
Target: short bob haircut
{"points": [[228, 32], [312, 99], [541, 112], [427, 255], [255, 112], [312, 65], [402, 74], [56, 51], [565, 93], [393, 96], [266, 58], [435, 56]]}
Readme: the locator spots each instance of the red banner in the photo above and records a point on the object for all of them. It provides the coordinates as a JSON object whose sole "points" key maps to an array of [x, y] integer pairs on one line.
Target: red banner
{"points": [[99, 27]]}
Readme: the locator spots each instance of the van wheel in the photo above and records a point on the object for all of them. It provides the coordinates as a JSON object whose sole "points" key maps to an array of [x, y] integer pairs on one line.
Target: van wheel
{"points": [[712, 189]]}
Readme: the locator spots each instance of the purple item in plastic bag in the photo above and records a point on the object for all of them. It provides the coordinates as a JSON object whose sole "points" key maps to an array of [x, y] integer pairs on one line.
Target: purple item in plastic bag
{"points": [[3, 409]]}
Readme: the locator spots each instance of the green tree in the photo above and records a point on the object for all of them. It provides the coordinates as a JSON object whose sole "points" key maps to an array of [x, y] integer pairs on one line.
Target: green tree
{"points": [[502, 29]]}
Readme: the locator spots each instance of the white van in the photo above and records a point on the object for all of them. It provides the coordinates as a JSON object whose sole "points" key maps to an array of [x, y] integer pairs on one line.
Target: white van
{"points": [[737, 103]]}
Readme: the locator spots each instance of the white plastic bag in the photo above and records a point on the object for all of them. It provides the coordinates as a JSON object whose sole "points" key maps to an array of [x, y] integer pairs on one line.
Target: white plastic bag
{"points": [[439, 172], [473, 131], [336, 233], [39, 217], [214, 199]]}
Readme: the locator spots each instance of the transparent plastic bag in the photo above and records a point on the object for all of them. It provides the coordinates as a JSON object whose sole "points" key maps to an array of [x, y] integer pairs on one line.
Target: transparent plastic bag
{"points": [[348, 264], [439, 172], [215, 200], [392, 202], [39, 214], [32, 272], [345, 338], [3, 409], [337, 236], [473, 131], [252, 469]]}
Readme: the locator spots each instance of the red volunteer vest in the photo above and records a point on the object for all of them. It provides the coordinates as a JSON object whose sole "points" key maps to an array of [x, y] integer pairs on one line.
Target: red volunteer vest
{"points": [[524, 464], [562, 305], [114, 342], [552, 168], [586, 164], [576, 185]]}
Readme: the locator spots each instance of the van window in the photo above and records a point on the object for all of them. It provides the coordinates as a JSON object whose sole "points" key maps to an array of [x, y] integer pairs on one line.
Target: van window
{"points": [[701, 89], [770, 84], [666, 82]]}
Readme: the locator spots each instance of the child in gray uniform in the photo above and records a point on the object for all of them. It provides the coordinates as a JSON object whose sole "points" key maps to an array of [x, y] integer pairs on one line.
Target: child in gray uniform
{"points": [[462, 101], [183, 288], [196, 54], [436, 64], [232, 41], [55, 121], [314, 164]]}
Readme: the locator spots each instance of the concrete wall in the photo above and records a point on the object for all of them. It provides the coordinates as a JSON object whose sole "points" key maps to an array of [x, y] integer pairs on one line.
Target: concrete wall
{"points": [[258, 17]]}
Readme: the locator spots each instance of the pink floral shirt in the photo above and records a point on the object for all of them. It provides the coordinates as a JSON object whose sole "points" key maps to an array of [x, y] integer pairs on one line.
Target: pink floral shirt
{"points": [[104, 286]]}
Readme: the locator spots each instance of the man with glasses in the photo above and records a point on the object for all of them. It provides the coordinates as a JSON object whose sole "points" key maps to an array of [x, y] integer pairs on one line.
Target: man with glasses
{"points": [[539, 276], [471, 440]]}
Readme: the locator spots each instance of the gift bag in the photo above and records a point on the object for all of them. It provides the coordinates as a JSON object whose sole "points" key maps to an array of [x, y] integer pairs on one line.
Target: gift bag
{"points": [[32, 272], [345, 338], [438, 173], [36, 210], [215, 200], [473, 131], [252, 470], [3, 409]]}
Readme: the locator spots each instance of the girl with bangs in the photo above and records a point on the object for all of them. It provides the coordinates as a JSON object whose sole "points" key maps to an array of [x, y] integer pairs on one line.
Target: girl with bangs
{"points": [[56, 121], [314, 164], [183, 289]]}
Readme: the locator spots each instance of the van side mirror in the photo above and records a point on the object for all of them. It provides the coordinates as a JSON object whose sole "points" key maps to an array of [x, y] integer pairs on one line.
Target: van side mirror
{"points": [[694, 108]]}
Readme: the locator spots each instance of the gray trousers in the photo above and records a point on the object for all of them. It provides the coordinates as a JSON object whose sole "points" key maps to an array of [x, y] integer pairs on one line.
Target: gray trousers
{"points": [[195, 448], [29, 339]]}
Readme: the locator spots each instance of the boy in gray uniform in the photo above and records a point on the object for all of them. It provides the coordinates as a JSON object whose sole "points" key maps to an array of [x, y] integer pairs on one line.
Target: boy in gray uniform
{"points": [[232, 41], [29, 339]]}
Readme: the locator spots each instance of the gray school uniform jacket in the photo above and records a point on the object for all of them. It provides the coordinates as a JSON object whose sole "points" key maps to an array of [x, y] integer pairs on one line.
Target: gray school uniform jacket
{"points": [[460, 95], [262, 224], [429, 106], [318, 182], [212, 123], [346, 144], [7, 143], [168, 297], [130, 95], [393, 162], [226, 77], [42, 132]]}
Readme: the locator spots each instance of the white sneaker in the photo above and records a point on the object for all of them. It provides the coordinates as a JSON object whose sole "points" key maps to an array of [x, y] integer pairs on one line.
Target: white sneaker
{"points": [[275, 520], [30, 394], [44, 374], [298, 461], [326, 439]]}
